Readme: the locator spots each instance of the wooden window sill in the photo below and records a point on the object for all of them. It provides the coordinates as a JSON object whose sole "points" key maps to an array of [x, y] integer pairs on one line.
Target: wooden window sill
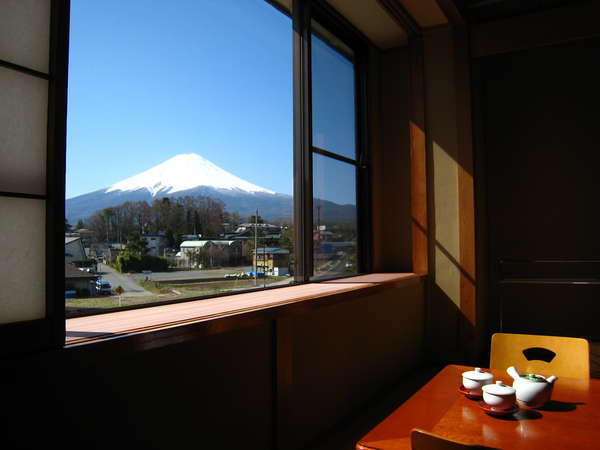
{"points": [[82, 330]]}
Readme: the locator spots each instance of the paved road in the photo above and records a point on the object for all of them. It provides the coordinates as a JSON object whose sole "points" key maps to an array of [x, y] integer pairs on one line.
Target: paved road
{"points": [[132, 289]]}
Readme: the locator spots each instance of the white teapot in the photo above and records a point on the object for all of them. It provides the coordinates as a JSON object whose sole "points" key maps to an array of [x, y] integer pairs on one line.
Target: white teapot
{"points": [[533, 390]]}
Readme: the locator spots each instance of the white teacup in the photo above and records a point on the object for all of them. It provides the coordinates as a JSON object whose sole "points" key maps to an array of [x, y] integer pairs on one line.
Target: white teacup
{"points": [[474, 380], [499, 395]]}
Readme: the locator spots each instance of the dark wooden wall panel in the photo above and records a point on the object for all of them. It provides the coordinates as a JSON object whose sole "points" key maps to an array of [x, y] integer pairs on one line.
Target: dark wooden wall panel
{"points": [[347, 353], [391, 166], [190, 395], [542, 149], [277, 384], [568, 309]]}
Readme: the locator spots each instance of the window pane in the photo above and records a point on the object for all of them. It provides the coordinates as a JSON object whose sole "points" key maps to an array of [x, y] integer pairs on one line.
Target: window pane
{"points": [[334, 217], [333, 100], [25, 33], [187, 135], [23, 261], [23, 119]]}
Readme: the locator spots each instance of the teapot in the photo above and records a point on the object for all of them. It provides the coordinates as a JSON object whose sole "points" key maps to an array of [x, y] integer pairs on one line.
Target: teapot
{"points": [[533, 391]]}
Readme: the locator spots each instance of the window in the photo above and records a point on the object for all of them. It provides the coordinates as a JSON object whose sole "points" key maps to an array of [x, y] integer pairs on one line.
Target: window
{"points": [[240, 102], [191, 151], [334, 153]]}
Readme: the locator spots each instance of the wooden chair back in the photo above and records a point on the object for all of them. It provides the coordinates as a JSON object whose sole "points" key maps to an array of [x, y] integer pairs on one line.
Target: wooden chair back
{"points": [[545, 355], [423, 440]]}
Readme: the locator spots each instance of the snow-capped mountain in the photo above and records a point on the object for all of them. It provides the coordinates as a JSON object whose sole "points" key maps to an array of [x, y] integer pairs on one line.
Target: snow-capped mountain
{"points": [[191, 175], [182, 173]]}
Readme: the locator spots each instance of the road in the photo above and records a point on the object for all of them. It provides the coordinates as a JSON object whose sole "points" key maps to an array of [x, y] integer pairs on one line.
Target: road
{"points": [[132, 289]]}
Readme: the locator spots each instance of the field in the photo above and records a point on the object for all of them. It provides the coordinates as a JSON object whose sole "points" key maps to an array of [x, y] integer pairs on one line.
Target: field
{"points": [[164, 291]]}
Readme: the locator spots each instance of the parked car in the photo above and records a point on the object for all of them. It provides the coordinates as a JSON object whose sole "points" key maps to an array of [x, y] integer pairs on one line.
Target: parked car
{"points": [[103, 287]]}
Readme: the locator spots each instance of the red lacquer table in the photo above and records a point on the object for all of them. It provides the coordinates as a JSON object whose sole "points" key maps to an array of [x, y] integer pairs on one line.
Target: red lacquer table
{"points": [[570, 421]]}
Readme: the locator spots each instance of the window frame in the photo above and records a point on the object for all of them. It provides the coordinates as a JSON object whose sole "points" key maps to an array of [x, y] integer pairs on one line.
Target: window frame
{"points": [[303, 12], [49, 333]]}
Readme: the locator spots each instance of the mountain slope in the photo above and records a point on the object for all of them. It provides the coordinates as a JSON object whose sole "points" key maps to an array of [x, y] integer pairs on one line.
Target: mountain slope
{"points": [[183, 173], [192, 175]]}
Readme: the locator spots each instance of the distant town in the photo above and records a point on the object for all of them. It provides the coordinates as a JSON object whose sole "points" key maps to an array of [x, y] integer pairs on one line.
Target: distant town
{"points": [[174, 248]]}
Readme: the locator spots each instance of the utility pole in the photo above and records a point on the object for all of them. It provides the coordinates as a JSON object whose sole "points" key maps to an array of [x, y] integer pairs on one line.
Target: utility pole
{"points": [[256, 248]]}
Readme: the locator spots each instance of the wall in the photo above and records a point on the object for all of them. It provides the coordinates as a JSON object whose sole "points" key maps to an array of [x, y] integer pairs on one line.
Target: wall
{"points": [[540, 135], [345, 354], [391, 165], [442, 167], [216, 390], [455, 305]]}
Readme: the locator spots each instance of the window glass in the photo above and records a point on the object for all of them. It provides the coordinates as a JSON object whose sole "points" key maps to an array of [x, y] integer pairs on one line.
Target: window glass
{"points": [[179, 151], [333, 98], [334, 217]]}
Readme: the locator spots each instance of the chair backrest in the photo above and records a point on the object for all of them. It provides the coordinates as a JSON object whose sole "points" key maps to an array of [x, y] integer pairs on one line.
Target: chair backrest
{"points": [[423, 440], [545, 355]]}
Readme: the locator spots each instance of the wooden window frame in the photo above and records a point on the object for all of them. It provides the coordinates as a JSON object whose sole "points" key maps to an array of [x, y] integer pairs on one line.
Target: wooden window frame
{"points": [[49, 332]]}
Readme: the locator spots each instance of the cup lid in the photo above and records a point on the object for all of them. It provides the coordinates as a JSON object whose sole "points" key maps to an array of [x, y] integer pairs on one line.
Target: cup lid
{"points": [[477, 375], [499, 389]]}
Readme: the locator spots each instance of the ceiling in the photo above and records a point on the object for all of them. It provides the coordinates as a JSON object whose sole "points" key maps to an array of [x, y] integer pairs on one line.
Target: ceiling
{"points": [[373, 19], [478, 11]]}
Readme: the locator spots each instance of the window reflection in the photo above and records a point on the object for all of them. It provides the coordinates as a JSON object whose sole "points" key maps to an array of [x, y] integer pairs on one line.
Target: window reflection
{"points": [[333, 100], [334, 217]]}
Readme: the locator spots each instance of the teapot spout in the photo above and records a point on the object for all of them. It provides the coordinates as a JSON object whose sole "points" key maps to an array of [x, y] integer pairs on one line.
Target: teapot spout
{"points": [[512, 371], [551, 379]]}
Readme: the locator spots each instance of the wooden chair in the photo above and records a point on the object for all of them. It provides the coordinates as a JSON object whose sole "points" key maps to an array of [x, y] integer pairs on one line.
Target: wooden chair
{"points": [[546, 355], [423, 440]]}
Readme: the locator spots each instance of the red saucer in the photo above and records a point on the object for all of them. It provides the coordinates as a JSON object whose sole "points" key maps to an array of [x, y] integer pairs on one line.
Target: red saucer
{"points": [[498, 412], [468, 393]]}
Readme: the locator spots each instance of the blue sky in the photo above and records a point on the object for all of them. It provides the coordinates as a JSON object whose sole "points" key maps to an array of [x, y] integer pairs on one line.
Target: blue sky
{"points": [[149, 80]]}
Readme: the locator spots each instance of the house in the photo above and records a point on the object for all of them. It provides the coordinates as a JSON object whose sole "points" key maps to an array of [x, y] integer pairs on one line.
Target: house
{"points": [[79, 280], [206, 253], [483, 189], [155, 243], [271, 260], [74, 249], [110, 251]]}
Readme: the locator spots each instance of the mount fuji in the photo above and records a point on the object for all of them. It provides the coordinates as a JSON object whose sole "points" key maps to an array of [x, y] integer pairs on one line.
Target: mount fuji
{"points": [[192, 175]]}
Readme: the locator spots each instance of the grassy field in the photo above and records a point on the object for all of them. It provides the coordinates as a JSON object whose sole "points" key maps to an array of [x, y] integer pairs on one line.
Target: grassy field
{"points": [[166, 291]]}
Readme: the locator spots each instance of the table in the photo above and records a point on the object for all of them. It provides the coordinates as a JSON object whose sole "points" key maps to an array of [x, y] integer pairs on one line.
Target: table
{"points": [[570, 421]]}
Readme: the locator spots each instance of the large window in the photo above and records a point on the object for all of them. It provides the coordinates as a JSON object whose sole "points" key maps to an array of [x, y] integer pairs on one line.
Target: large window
{"points": [[187, 136], [210, 147]]}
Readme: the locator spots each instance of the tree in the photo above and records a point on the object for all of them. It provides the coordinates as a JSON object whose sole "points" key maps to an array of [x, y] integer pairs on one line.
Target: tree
{"points": [[136, 245], [79, 225], [68, 226], [287, 239]]}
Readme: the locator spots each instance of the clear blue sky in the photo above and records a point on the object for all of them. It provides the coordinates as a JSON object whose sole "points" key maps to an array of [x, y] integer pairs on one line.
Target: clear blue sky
{"points": [[149, 80]]}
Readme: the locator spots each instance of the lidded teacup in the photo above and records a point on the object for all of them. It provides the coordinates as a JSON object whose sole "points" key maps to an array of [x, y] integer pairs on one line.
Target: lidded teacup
{"points": [[499, 395], [474, 380]]}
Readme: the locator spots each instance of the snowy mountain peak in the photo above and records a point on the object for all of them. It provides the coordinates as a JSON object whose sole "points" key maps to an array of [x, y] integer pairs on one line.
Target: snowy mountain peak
{"points": [[183, 172]]}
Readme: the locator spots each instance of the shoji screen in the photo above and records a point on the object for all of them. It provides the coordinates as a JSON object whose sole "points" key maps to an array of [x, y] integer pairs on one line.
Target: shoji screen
{"points": [[33, 61]]}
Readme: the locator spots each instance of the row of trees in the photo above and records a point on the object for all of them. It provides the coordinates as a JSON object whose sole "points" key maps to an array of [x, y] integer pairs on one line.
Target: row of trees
{"points": [[173, 216]]}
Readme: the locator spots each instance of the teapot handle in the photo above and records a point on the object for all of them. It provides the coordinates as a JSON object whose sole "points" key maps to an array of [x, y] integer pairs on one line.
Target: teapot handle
{"points": [[512, 371]]}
